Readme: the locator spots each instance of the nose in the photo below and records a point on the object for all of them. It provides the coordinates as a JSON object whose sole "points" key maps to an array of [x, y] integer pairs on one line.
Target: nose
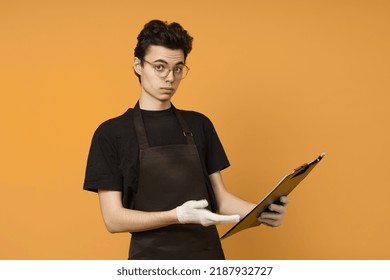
{"points": [[170, 77]]}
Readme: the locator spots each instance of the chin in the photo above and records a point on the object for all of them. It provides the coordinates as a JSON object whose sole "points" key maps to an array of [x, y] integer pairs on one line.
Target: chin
{"points": [[167, 95]]}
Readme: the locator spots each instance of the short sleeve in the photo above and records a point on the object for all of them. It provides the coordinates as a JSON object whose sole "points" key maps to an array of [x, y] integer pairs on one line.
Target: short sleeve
{"points": [[216, 158], [102, 171]]}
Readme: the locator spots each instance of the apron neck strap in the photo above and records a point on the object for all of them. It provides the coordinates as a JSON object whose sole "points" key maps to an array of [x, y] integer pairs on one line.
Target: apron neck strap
{"points": [[140, 128], [184, 126], [141, 132]]}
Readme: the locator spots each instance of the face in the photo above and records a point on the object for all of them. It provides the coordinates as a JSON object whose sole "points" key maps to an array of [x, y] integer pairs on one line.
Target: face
{"points": [[156, 91]]}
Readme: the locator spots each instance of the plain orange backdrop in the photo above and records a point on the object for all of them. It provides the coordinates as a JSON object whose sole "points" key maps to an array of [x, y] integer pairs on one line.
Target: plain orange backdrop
{"points": [[282, 82]]}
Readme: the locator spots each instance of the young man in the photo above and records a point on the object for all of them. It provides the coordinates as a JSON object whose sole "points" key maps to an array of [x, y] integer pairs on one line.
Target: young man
{"points": [[157, 169]]}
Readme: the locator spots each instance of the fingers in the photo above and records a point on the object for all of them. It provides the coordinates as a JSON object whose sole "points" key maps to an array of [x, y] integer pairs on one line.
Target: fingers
{"points": [[198, 203], [284, 200], [223, 219], [187, 212], [193, 211], [281, 209], [213, 219], [271, 222], [275, 214], [271, 218]]}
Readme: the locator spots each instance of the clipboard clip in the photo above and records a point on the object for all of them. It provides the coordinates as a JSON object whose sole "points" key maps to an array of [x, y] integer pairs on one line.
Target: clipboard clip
{"points": [[302, 169], [303, 166]]}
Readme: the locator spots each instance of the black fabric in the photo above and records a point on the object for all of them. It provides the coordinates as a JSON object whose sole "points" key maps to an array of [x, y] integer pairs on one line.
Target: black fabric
{"points": [[113, 156]]}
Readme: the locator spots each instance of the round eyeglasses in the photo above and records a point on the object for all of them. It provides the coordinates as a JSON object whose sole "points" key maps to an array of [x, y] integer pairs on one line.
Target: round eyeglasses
{"points": [[162, 69]]}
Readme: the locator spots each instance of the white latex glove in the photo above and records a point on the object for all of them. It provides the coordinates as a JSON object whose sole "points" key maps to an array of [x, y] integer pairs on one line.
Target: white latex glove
{"points": [[194, 212]]}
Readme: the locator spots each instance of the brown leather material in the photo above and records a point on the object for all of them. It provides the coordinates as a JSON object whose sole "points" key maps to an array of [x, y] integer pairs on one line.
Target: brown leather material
{"points": [[169, 176]]}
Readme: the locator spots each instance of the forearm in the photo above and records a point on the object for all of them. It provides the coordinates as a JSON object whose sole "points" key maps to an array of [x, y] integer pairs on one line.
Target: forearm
{"points": [[126, 220], [119, 219], [230, 204]]}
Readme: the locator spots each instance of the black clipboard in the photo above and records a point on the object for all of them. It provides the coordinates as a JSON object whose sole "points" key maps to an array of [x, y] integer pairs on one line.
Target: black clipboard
{"points": [[285, 186]]}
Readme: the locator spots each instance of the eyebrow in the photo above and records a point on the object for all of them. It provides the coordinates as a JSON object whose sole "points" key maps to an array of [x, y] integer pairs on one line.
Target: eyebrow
{"points": [[163, 61]]}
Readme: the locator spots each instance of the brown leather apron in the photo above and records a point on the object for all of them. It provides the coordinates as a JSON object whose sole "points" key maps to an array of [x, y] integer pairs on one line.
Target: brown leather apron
{"points": [[169, 176]]}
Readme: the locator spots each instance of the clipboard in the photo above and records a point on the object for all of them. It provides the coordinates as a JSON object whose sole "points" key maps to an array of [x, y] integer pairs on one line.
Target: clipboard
{"points": [[285, 186]]}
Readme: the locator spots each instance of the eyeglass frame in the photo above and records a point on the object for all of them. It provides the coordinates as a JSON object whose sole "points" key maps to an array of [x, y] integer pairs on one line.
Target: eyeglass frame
{"points": [[170, 69]]}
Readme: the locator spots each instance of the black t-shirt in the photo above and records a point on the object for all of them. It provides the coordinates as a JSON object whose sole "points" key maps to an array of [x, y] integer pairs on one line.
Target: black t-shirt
{"points": [[113, 156]]}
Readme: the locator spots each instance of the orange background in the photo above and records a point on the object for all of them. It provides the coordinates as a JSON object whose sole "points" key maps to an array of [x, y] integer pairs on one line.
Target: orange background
{"points": [[282, 81]]}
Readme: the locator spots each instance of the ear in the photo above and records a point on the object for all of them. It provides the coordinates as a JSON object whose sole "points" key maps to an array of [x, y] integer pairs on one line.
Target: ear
{"points": [[137, 66]]}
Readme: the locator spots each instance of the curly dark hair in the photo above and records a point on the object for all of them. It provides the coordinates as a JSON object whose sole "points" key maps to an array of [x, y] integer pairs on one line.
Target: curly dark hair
{"points": [[160, 33]]}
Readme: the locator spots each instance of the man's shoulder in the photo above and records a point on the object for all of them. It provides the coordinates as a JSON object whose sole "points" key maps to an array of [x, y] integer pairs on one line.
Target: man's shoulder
{"points": [[116, 125], [194, 116]]}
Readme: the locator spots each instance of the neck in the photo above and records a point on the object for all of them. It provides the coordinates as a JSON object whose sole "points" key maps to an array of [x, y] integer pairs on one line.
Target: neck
{"points": [[154, 105]]}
